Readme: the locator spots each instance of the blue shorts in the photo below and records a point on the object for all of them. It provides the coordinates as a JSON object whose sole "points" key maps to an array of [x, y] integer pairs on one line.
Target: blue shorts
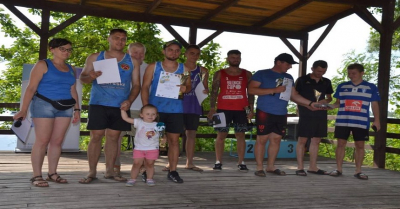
{"points": [[42, 109]]}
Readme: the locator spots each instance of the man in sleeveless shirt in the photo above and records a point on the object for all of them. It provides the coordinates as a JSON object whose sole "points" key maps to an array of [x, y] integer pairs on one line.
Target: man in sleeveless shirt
{"points": [[231, 83], [273, 96], [170, 110], [106, 102]]}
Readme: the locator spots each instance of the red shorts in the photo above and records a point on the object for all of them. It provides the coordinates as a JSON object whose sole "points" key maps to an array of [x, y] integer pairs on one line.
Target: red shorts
{"points": [[146, 154]]}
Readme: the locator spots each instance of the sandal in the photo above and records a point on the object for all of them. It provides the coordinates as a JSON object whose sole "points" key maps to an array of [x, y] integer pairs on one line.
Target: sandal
{"points": [[277, 172], [260, 173], [87, 180], [301, 172], [165, 168], [361, 176], [319, 172], [118, 178], [194, 168], [335, 173], [57, 180], [38, 181]]}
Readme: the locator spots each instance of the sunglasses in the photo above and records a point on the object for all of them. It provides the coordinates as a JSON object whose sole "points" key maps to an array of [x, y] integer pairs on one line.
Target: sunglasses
{"points": [[62, 49]]}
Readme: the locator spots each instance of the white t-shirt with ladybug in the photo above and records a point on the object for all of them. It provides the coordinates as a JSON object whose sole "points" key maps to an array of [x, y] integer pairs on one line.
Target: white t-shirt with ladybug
{"points": [[146, 137]]}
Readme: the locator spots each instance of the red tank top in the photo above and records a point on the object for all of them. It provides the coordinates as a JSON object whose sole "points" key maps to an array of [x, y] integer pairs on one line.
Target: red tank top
{"points": [[233, 91]]}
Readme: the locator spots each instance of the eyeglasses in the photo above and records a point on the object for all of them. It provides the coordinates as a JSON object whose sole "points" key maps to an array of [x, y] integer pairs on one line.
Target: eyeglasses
{"points": [[62, 49]]}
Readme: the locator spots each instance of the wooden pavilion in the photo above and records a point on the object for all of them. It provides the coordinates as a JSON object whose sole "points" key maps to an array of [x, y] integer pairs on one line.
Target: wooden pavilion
{"points": [[285, 19]]}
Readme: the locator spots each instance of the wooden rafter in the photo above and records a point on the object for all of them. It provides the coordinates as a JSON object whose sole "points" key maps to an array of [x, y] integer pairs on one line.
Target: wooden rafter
{"points": [[23, 18], [176, 35], [364, 14], [192, 34], [220, 9], [291, 47], [320, 39], [209, 38], [396, 24], [64, 24], [329, 20], [367, 3], [282, 13], [153, 6]]}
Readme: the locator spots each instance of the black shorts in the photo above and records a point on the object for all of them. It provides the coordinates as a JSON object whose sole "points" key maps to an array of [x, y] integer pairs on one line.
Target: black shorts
{"points": [[268, 123], [173, 122], [103, 117], [191, 121], [359, 134], [238, 118], [312, 127]]}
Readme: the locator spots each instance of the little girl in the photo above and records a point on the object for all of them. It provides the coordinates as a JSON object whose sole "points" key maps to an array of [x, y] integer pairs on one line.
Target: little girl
{"points": [[146, 143]]}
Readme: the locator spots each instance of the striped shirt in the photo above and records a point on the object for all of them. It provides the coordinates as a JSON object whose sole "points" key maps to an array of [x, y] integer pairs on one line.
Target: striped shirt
{"points": [[355, 101]]}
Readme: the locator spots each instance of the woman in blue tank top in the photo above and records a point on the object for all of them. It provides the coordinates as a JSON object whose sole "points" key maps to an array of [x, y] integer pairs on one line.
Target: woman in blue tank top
{"points": [[55, 80]]}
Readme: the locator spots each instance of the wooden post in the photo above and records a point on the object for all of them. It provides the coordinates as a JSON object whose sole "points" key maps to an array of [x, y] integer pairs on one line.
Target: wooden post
{"points": [[383, 81], [304, 57], [44, 34], [192, 35]]}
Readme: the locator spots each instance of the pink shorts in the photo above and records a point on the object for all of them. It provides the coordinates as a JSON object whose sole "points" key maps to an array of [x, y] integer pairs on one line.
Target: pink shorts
{"points": [[146, 154]]}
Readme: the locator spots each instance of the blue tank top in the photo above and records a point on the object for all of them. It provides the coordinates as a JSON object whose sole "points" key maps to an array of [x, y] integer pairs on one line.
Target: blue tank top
{"points": [[113, 94], [55, 84], [190, 103], [165, 105]]}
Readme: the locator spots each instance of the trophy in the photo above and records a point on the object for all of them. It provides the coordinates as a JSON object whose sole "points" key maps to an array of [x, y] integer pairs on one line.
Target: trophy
{"points": [[184, 77], [160, 129], [248, 111], [317, 94], [201, 76], [279, 82]]}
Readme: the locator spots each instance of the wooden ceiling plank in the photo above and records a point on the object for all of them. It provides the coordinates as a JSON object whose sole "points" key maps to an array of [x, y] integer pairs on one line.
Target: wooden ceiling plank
{"points": [[320, 39], [176, 35], [139, 17], [364, 14], [329, 20], [23, 18], [366, 3], [220, 9], [153, 6], [291, 47], [282, 13], [65, 24], [209, 38]]}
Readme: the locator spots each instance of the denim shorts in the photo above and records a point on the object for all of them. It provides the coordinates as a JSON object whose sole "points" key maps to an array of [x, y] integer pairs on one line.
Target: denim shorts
{"points": [[42, 109]]}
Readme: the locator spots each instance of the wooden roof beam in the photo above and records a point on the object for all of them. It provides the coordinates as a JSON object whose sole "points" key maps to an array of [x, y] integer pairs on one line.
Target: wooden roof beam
{"points": [[364, 14], [152, 7], [365, 3], [64, 24], [320, 39], [291, 47], [139, 17], [282, 13], [209, 38], [220, 9], [23, 18], [176, 35], [329, 20], [396, 24]]}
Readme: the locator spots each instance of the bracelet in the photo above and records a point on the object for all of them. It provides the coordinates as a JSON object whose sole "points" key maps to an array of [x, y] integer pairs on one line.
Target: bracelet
{"points": [[310, 104], [77, 110]]}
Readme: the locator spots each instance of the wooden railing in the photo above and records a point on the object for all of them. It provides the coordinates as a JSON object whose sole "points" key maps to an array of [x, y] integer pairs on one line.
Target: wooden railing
{"points": [[213, 135]]}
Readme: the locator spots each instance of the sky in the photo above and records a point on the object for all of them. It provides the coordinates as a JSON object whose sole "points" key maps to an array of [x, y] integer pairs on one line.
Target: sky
{"points": [[258, 52]]}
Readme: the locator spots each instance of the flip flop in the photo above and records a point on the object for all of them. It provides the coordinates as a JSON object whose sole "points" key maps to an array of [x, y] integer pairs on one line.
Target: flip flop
{"points": [[87, 180], [335, 173], [277, 172], [260, 173], [195, 169], [116, 178], [301, 173], [319, 172], [361, 176]]}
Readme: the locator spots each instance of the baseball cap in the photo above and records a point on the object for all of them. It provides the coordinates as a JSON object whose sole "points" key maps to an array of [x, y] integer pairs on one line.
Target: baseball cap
{"points": [[169, 43], [286, 58]]}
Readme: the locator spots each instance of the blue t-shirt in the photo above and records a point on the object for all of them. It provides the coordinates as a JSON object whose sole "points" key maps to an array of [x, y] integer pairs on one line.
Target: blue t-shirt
{"points": [[55, 84], [164, 105], [271, 103], [355, 101], [113, 94]]}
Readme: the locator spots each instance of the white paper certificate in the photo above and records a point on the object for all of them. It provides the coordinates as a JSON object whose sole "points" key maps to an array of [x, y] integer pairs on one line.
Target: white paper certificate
{"points": [[109, 69], [286, 94], [199, 93], [168, 85]]}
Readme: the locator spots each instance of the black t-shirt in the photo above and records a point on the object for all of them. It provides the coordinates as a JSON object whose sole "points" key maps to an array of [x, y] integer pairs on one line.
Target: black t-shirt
{"points": [[305, 85]]}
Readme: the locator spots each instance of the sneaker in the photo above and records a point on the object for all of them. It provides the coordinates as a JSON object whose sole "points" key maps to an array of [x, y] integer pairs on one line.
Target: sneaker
{"points": [[144, 176], [130, 183], [243, 168], [217, 167], [150, 182], [174, 176]]}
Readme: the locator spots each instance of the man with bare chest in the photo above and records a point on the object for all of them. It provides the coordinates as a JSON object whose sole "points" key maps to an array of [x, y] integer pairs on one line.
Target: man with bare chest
{"points": [[170, 110], [232, 99]]}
